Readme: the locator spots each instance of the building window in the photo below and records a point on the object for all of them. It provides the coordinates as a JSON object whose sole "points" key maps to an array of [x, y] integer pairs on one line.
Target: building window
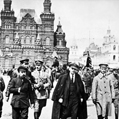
{"points": [[27, 40], [7, 39], [114, 57], [47, 41], [24, 41], [31, 41], [114, 47]]}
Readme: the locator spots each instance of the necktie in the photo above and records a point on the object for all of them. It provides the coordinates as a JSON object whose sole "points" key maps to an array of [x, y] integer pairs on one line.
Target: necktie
{"points": [[73, 78]]}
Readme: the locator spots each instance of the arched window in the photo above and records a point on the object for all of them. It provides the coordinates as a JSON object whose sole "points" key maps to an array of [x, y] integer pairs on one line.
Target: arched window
{"points": [[33, 39], [27, 40], [47, 41], [114, 47], [7, 39], [114, 57], [22, 40]]}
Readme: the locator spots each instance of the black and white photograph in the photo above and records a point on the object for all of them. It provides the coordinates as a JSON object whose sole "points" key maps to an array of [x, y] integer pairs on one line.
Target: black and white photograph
{"points": [[59, 59]]}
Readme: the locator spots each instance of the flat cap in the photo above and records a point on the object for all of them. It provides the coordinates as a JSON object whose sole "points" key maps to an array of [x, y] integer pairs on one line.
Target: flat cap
{"points": [[22, 68], [74, 65]]}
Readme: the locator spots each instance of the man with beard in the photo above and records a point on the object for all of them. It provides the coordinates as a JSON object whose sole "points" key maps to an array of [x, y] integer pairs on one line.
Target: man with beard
{"points": [[22, 92], [103, 93], [68, 94], [23, 62]]}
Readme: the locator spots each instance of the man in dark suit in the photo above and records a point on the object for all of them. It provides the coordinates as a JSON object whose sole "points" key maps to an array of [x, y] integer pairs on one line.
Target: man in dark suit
{"points": [[22, 93], [68, 94], [23, 62]]}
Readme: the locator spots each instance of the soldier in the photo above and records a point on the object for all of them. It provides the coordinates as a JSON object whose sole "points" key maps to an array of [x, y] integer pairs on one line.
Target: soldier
{"points": [[103, 93], [22, 93], [42, 83]]}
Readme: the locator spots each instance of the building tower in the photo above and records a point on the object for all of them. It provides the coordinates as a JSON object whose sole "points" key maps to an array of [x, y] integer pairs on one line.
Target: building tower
{"points": [[47, 18], [60, 43], [74, 52], [110, 46]]}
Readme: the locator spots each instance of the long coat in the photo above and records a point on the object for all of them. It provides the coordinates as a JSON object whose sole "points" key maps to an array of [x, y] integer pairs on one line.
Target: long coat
{"points": [[61, 91], [103, 92], [21, 100]]}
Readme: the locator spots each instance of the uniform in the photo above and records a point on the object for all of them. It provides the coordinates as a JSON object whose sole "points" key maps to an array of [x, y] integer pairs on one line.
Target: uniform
{"points": [[42, 83]]}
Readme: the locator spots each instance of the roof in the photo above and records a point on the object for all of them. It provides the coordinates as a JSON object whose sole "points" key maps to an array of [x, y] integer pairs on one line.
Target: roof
{"points": [[32, 12]]}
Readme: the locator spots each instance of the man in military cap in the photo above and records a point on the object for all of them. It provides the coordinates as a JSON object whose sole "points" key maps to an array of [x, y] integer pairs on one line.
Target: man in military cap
{"points": [[42, 83], [103, 93], [22, 92], [68, 95]]}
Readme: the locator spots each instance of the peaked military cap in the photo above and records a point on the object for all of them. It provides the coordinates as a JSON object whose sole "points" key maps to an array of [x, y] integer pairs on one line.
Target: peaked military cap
{"points": [[103, 64], [24, 60]]}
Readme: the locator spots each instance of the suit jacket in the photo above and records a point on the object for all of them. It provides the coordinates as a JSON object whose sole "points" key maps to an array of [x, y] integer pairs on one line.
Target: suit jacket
{"points": [[21, 100], [61, 91]]}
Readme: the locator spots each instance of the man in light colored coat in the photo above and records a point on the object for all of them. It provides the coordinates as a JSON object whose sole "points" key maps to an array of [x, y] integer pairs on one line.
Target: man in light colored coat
{"points": [[103, 93], [41, 86]]}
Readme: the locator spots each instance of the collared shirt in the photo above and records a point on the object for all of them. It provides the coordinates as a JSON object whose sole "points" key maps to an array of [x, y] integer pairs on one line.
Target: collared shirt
{"points": [[72, 77]]}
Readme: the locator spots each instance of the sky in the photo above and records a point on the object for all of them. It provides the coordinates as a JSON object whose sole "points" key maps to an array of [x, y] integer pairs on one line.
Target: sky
{"points": [[86, 21]]}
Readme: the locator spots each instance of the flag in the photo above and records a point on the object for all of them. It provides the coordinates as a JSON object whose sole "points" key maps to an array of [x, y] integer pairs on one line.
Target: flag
{"points": [[89, 61]]}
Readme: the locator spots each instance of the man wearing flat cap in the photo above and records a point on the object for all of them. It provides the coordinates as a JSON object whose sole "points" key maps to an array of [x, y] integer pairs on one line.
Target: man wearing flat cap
{"points": [[22, 92], [25, 63], [103, 93], [68, 94]]}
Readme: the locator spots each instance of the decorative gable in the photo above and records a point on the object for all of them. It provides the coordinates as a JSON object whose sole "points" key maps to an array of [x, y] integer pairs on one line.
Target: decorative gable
{"points": [[28, 19]]}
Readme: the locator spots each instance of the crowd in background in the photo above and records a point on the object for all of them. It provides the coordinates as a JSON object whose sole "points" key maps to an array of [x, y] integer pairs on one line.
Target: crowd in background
{"points": [[40, 82]]}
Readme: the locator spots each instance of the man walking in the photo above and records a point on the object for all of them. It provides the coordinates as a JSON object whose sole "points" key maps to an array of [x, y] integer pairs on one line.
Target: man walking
{"points": [[22, 93], [68, 94], [42, 83], [103, 93]]}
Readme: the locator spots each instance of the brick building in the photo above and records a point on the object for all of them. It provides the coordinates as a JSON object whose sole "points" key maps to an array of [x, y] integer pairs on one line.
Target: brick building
{"points": [[30, 36]]}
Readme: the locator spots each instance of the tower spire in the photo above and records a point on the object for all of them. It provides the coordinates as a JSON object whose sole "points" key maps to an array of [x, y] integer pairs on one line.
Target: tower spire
{"points": [[47, 6], [7, 5]]}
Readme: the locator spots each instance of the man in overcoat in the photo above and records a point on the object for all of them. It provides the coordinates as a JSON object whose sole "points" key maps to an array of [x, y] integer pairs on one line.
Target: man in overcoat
{"points": [[68, 95], [22, 92], [103, 93]]}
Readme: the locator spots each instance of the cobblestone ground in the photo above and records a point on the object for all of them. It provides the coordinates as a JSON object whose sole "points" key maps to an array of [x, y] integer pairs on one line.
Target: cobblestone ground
{"points": [[46, 112]]}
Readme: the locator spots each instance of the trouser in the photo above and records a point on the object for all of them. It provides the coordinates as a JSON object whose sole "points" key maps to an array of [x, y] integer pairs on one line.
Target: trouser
{"points": [[1, 105], [19, 113], [116, 109], [39, 104], [100, 117], [70, 110]]}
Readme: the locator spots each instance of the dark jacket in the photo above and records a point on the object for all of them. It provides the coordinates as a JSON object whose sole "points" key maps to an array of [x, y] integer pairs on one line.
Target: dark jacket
{"points": [[2, 84], [15, 75], [61, 91], [26, 93]]}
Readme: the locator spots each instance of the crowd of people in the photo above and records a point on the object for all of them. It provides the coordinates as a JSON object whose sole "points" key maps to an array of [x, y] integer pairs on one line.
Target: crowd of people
{"points": [[31, 87]]}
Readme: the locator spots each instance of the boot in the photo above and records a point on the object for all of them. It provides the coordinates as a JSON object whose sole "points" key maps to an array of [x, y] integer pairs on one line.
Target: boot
{"points": [[36, 115], [116, 116], [100, 117]]}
